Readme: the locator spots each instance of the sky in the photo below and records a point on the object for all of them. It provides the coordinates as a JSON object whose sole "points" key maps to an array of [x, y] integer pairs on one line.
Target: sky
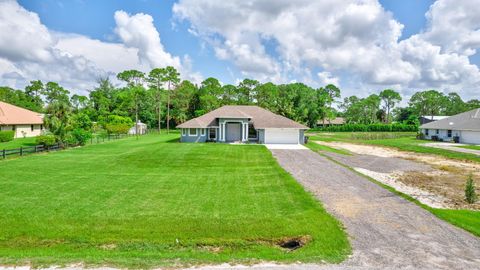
{"points": [[362, 46]]}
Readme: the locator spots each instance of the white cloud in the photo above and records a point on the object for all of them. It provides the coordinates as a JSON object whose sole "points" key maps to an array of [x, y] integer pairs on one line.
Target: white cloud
{"points": [[326, 77], [77, 61], [354, 37]]}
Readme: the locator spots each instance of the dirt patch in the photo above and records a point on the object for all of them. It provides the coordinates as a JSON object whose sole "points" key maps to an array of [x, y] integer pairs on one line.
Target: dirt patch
{"points": [[441, 186], [295, 243]]}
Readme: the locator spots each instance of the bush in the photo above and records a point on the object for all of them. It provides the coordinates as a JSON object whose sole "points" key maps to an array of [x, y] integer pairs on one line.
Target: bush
{"points": [[470, 195], [7, 135], [115, 124], [79, 136], [45, 140], [370, 128]]}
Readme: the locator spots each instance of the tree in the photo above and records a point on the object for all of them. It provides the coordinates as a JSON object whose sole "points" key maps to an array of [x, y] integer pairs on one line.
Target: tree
{"points": [[210, 93], [246, 91], [329, 95], [156, 78], [134, 80], [79, 102], [58, 111], [267, 96], [172, 78], [430, 102], [183, 101], [389, 98], [470, 194], [454, 104]]}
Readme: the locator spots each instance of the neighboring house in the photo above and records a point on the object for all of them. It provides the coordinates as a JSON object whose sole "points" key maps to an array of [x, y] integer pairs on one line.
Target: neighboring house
{"points": [[463, 128], [242, 124], [24, 122], [430, 118], [141, 127], [337, 121]]}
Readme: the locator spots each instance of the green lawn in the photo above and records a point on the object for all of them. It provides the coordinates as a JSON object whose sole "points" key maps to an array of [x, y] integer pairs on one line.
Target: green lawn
{"points": [[401, 141], [473, 147], [154, 202], [17, 143]]}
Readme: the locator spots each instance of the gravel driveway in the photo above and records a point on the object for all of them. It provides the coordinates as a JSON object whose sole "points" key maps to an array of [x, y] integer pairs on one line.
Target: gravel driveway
{"points": [[386, 231], [453, 147]]}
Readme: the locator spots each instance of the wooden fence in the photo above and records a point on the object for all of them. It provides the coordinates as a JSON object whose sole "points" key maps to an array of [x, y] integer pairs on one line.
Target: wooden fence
{"points": [[26, 150]]}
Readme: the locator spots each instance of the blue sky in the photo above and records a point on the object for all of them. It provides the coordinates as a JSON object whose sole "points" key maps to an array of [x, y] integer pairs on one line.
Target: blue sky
{"points": [[361, 45]]}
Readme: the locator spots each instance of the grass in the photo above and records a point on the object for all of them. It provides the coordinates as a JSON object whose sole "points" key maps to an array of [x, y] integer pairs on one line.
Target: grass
{"points": [[154, 202], [17, 143], [318, 147], [465, 219], [403, 141], [473, 147]]}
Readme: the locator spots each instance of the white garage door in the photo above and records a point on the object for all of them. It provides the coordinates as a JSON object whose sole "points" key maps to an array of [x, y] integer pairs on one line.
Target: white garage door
{"points": [[470, 137], [278, 135]]}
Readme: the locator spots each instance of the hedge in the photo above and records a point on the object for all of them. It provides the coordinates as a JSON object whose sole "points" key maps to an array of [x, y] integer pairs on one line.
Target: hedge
{"points": [[369, 128], [6, 135]]}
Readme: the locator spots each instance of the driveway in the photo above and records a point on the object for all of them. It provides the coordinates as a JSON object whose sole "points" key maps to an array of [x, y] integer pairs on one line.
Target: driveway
{"points": [[386, 231], [453, 147]]}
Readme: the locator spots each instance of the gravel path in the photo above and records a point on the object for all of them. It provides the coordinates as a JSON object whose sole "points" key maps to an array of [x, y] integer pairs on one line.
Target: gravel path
{"points": [[453, 147], [386, 231]]}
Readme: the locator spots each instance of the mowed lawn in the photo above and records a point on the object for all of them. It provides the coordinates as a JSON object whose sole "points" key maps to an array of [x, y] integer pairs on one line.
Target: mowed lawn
{"points": [[17, 143], [155, 202]]}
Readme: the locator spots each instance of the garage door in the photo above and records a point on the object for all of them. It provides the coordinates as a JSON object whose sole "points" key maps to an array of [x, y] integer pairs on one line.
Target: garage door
{"points": [[471, 137], [278, 135]]}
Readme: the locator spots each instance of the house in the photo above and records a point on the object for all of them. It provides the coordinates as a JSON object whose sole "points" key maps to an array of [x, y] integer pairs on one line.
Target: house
{"points": [[430, 118], [463, 128], [141, 127], [337, 121], [24, 122], [242, 124]]}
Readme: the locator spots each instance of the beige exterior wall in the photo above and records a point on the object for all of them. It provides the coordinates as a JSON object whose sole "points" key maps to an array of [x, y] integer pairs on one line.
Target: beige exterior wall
{"points": [[22, 131]]}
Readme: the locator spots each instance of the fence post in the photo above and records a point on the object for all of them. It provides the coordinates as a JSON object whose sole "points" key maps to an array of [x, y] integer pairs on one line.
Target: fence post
{"points": [[21, 151], [4, 154], [35, 149]]}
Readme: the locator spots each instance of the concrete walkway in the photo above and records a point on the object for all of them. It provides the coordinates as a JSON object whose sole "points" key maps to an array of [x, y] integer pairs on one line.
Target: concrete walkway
{"points": [[453, 147], [386, 231]]}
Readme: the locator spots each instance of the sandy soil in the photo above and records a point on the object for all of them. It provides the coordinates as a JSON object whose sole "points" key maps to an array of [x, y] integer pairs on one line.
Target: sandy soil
{"points": [[440, 186]]}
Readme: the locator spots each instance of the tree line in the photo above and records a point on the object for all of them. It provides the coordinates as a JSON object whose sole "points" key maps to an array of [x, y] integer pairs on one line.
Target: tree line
{"points": [[161, 99]]}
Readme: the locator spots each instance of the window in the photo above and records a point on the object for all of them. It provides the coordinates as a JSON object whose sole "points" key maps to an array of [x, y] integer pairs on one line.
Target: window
{"points": [[212, 134], [426, 132], [438, 131], [202, 132], [41, 127], [32, 127], [449, 133], [252, 133], [184, 132], [14, 127], [192, 132]]}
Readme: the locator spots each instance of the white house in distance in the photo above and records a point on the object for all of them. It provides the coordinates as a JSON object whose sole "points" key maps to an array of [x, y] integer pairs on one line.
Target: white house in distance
{"points": [[24, 122], [463, 128]]}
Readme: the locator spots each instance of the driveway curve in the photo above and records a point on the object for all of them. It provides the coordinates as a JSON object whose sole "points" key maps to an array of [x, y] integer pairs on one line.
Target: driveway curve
{"points": [[386, 231]]}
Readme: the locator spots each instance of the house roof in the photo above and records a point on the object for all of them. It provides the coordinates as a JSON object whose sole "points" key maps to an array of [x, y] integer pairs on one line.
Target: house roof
{"points": [[261, 118], [335, 121], [464, 121], [13, 115]]}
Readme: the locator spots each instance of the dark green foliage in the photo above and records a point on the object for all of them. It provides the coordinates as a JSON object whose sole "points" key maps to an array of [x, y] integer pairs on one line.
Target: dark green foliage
{"points": [[79, 136], [6, 135], [115, 124], [470, 194], [369, 128], [46, 140]]}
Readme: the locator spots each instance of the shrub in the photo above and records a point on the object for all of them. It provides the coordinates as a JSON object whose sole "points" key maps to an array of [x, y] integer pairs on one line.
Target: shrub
{"points": [[115, 124], [45, 140], [79, 136], [470, 195], [7, 135]]}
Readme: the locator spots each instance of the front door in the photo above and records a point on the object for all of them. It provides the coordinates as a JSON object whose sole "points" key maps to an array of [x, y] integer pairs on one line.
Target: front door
{"points": [[233, 132]]}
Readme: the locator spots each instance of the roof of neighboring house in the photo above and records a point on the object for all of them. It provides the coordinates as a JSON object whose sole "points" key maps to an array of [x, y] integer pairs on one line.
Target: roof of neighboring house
{"points": [[13, 115], [434, 117], [464, 121], [335, 121], [261, 118]]}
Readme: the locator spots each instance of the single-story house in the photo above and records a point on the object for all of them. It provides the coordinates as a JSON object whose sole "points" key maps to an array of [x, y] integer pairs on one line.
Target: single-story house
{"points": [[242, 124], [141, 127], [463, 128], [24, 122], [337, 121], [425, 119]]}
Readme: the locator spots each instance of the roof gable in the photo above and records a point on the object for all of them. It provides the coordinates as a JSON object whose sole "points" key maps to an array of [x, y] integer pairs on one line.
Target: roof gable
{"points": [[260, 117], [14, 115]]}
